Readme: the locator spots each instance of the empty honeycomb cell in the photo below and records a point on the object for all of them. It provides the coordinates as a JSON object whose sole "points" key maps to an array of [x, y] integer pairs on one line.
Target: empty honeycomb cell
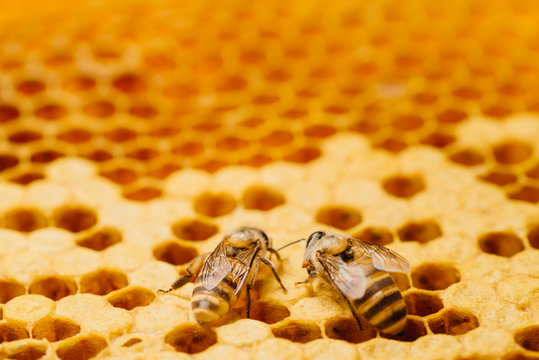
{"points": [[180, 91], [301, 331], [207, 127], [99, 109], [174, 253], [232, 84], [467, 157], [12, 332], [261, 198], [8, 113], [191, 338], [163, 171], [438, 139], [512, 152], [214, 204], [143, 193], [413, 330], [30, 87], [212, 166], [78, 83], [51, 112], [392, 145], [407, 122], [375, 235], [526, 193], [120, 134], [533, 237], [366, 127], [497, 111], [53, 287], [532, 173], [98, 155], [81, 347], [467, 93], [264, 99], [320, 131], [54, 328], [100, 239], [143, 154], [74, 218], [231, 143], [528, 338], [165, 131], [194, 229], [24, 136], [347, 329], [278, 75], [269, 312], [434, 276], [30, 351], [120, 175], [453, 322], [8, 161], [340, 217], [500, 177], [129, 83], [143, 111], [25, 220], [424, 98], [422, 231], [403, 186], [451, 116], [131, 297], [102, 281], [75, 135], [277, 138], [45, 156], [501, 243], [294, 113], [423, 303], [257, 160], [191, 148], [10, 289], [27, 177], [131, 342]]}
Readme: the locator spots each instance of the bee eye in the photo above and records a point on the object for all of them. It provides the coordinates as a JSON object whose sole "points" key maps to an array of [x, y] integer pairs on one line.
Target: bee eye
{"points": [[315, 236]]}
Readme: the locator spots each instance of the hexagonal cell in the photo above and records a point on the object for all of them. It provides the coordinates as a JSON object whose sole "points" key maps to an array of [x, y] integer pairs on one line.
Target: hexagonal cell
{"points": [[142, 154], [191, 338], [53, 287], [212, 166], [467, 157], [29, 351], [302, 331], [129, 83], [25, 220], [269, 312], [120, 134], [54, 328], [143, 194], [51, 112], [8, 113], [512, 152], [528, 337], [421, 231], [191, 148], [277, 138], [163, 171], [214, 204], [402, 280], [434, 276], [413, 330], [256, 160], [340, 217], [347, 329], [131, 297], [81, 348], [533, 237], [194, 229], [101, 239], [438, 139], [74, 218], [75, 136], [320, 131], [375, 235], [453, 322], [261, 198], [500, 177], [102, 281], [45, 156], [528, 193], [366, 127], [393, 145], [27, 177], [98, 155], [99, 109], [79, 83], [143, 111], [12, 332], [403, 186], [231, 143], [174, 253], [501, 243], [303, 155], [24, 136], [423, 303], [120, 175], [10, 289], [8, 161], [407, 122], [532, 173]]}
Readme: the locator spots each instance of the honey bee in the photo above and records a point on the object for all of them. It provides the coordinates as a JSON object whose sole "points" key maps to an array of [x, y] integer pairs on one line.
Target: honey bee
{"points": [[223, 273], [359, 271]]}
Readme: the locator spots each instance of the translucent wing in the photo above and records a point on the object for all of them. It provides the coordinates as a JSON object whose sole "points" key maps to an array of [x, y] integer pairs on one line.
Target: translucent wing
{"points": [[216, 267], [383, 258], [349, 278], [241, 267]]}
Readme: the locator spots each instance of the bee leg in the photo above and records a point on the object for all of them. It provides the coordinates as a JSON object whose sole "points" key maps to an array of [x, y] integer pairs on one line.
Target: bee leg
{"points": [[181, 281], [270, 264], [312, 274], [353, 312], [273, 251], [191, 269], [249, 287]]}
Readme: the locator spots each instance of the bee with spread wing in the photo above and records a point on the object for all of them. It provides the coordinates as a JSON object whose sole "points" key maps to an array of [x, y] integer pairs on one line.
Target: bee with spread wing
{"points": [[359, 271], [223, 273]]}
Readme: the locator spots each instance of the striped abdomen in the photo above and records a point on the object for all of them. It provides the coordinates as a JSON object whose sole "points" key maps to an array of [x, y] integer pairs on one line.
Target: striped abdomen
{"points": [[382, 305], [210, 304]]}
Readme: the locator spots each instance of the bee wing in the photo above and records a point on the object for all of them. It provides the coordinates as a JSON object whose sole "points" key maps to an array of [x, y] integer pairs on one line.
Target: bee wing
{"points": [[242, 267], [216, 267], [348, 278], [384, 258]]}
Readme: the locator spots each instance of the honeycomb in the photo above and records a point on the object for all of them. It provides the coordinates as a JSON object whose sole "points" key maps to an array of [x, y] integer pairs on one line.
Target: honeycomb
{"points": [[135, 134]]}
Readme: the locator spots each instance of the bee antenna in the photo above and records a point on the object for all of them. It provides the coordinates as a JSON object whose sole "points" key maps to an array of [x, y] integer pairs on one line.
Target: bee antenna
{"points": [[291, 243]]}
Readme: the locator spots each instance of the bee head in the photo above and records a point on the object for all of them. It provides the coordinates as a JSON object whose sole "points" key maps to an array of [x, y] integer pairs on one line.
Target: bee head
{"points": [[321, 242], [246, 237]]}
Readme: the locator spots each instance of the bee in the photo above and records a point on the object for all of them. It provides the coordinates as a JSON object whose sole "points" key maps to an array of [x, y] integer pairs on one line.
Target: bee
{"points": [[359, 271], [223, 273]]}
